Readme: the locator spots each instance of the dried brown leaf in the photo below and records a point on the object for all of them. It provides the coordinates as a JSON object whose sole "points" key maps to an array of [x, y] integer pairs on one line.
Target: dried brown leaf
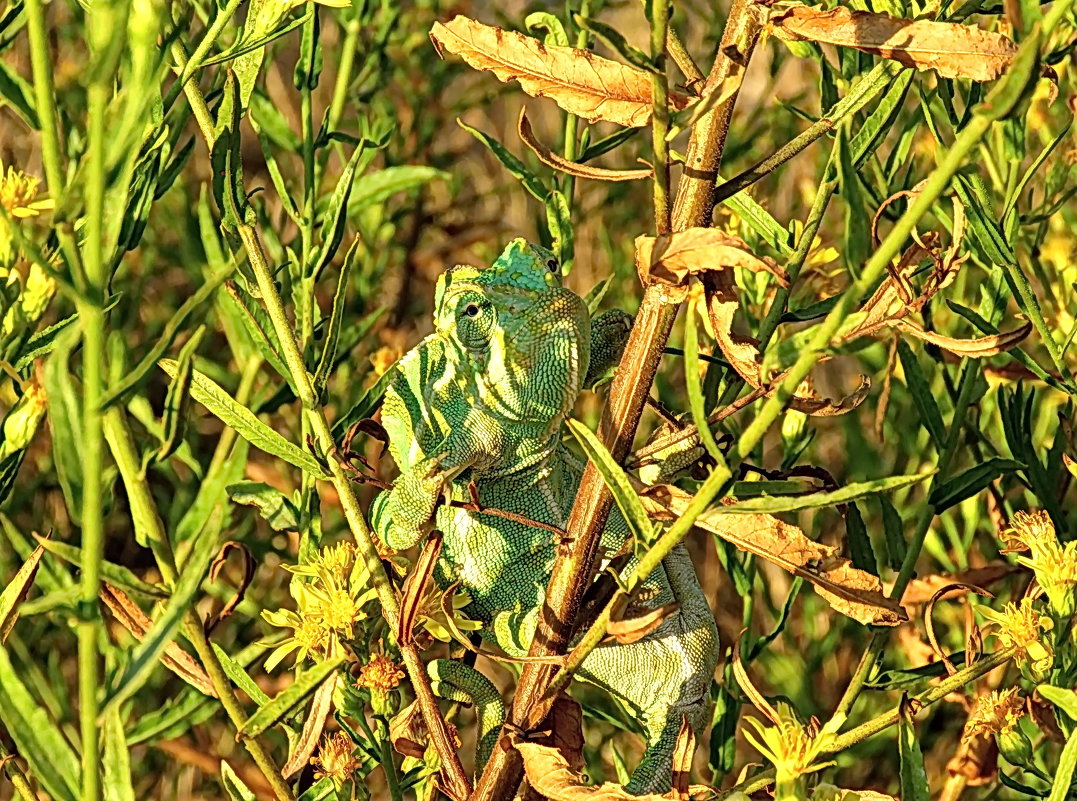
{"points": [[551, 159], [550, 774], [636, 628], [320, 707], [951, 49], [682, 761], [671, 258], [580, 82], [564, 732], [853, 592], [248, 563], [407, 732], [415, 586], [945, 591], [978, 348], [743, 352], [132, 618], [15, 592]]}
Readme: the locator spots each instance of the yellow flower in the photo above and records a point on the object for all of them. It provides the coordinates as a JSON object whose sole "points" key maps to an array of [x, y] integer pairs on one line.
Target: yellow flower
{"points": [[380, 674], [994, 713], [792, 747], [335, 758], [443, 619], [329, 604], [1054, 564], [1020, 628], [18, 194]]}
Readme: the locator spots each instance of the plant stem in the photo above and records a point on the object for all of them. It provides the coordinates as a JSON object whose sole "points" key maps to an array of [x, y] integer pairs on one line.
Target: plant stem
{"points": [[660, 122], [92, 322], [190, 66], [16, 776]]}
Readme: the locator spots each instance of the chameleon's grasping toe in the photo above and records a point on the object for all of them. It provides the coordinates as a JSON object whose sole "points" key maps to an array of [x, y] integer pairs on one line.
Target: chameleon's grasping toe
{"points": [[484, 399]]}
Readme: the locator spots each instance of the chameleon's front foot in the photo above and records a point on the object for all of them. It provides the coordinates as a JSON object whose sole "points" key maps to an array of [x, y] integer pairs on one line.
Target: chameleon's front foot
{"points": [[413, 503]]}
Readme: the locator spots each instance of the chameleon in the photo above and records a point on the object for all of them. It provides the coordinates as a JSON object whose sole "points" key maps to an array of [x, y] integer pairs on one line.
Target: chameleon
{"points": [[479, 405]]}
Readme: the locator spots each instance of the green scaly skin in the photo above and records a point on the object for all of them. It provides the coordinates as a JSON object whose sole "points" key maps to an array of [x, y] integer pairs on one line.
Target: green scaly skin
{"points": [[484, 399]]}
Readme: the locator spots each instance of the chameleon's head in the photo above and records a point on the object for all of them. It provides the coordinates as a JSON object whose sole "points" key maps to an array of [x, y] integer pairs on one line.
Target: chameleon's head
{"points": [[518, 329]]}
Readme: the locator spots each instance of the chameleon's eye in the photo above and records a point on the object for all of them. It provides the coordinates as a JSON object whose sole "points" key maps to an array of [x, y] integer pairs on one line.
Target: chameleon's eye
{"points": [[552, 265], [472, 310]]}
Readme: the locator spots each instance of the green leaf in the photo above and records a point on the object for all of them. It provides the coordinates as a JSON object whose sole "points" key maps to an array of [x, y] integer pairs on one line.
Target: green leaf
{"points": [[1067, 764], [616, 41], [15, 592], [816, 500], [18, 95], [322, 790], [253, 319], [273, 505], [366, 405], [893, 532], [559, 224], [855, 235], [117, 760], [240, 677], [227, 160], [545, 21], [377, 187], [1064, 699], [164, 629], [178, 401], [174, 718], [861, 553], [64, 416], [52, 761], [761, 222], [328, 357], [243, 421], [307, 682], [335, 217], [117, 575], [234, 786], [921, 395], [914, 786], [614, 475], [534, 186], [970, 482], [244, 46], [693, 383]]}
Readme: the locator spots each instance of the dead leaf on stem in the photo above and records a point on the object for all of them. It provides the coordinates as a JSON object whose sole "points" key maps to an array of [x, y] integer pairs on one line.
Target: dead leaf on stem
{"points": [[551, 159], [549, 773], [132, 618], [951, 49], [849, 590], [580, 82], [672, 258], [320, 707], [15, 592], [636, 628], [921, 590]]}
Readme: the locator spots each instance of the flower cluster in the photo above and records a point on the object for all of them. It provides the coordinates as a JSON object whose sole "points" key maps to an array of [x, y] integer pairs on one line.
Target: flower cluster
{"points": [[792, 747], [380, 674], [997, 712], [19, 194], [335, 759], [1021, 626], [1054, 564], [330, 592]]}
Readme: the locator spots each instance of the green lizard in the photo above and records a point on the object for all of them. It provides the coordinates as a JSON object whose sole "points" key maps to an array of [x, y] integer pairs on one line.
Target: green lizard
{"points": [[483, 399]]}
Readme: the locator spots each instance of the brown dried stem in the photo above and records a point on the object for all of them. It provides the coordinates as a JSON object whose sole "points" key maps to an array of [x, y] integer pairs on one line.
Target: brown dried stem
{"points": [[574, 566]]}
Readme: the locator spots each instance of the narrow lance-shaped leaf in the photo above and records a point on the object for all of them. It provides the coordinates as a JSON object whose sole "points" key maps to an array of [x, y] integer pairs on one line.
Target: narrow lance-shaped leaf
{"points": [[914, 786], [614, 475], [970, 482], [243, 420], [693, 383], [336, 316], [52, 761], [15, 592], [117, 760], [281, 704], [178, 400], [818, 500]]}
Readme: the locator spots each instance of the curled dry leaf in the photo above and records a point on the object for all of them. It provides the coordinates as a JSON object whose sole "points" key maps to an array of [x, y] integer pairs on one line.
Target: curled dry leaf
{"points": [[636, 628], [743, 352], [682, 761], [976, 348], [853, 592], [415, 586], [320, 707], [247, 561], [671, 258], [551, 159], [709, 254], [564, 732], [580, 82], [407, 732], [929, 619], [976, 760], [132, 618], [921, 590], [952, 50], [550, 774]]}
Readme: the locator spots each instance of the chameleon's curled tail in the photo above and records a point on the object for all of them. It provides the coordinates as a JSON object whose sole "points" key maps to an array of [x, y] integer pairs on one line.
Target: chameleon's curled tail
{"points": [[455, 681]]}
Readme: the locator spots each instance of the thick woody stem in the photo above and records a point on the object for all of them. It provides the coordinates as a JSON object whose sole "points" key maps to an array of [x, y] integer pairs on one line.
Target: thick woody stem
{"points": [[574, 566]]}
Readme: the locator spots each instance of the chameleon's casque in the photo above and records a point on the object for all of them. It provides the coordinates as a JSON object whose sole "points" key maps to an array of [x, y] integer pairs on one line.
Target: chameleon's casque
{"points": [[483, 399]]}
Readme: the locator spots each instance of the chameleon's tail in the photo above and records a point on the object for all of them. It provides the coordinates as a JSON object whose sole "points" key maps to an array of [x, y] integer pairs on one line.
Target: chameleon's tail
{"points": [[455, 681]]}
